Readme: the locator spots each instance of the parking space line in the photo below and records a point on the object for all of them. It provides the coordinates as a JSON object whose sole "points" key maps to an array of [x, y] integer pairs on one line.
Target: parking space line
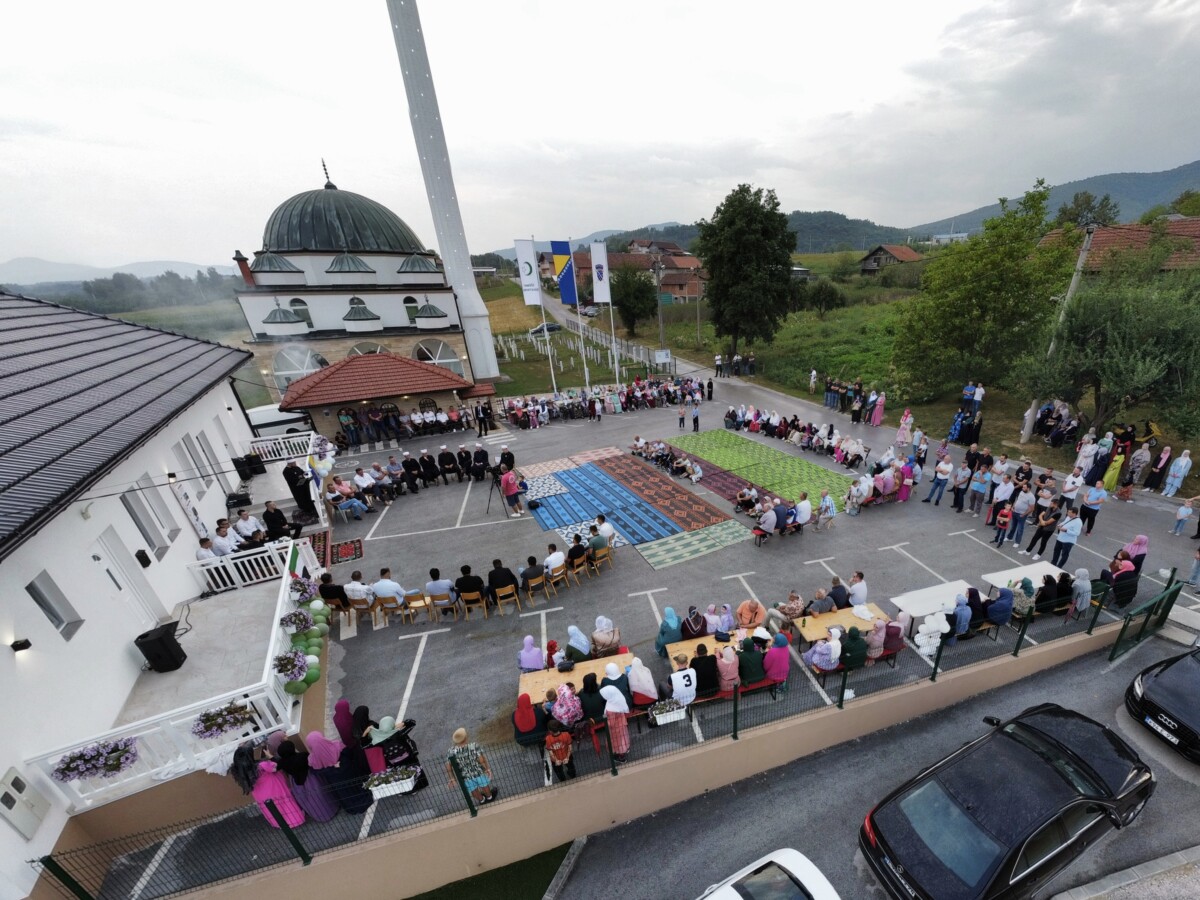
{"points": [[542, 613], [384, 537], [897, 548], [823, 563], [152, 867], [367, 820], [412, 675], [649, 595], [992, 547], [741, 576], [696, 731], [378, 519], [462, 509], [349, 627], [913, 648]]}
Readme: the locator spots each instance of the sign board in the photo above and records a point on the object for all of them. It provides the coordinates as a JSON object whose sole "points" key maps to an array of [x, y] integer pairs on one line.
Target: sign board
{"points": [[662, 357], [666, 299]]}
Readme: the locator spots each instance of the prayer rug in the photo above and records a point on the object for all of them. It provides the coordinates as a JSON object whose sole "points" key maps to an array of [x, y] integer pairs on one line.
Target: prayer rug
{"points": [[588, 456], [320, 545], [680, 548], [664, 494], [722, 483], [549, 467], [543, 486], [345, 551], [591, 491], [584, 529]]}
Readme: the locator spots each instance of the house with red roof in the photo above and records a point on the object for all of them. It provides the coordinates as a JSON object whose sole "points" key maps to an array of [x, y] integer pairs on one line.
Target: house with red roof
{"points": [[885, 255], [1182, 233]]}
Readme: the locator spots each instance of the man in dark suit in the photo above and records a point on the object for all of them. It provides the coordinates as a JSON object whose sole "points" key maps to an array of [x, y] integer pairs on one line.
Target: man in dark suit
{"points": [[500, 576], [464, 462]]}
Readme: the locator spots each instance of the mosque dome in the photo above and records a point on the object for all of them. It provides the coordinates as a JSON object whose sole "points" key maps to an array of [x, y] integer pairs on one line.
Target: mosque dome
{"points": [[336, 221]]}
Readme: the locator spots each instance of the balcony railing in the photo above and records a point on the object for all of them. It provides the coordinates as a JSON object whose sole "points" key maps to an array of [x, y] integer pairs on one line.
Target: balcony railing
{"points": [[240, 569], [281, 447], [166, 747]]}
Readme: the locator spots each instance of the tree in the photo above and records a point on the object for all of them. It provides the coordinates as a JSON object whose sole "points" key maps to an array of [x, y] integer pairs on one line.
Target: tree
{"points": [[633, 296], [982, 300], [1187, 204], [821, 295], [747, 250], [1085, 209], [845, 267]]}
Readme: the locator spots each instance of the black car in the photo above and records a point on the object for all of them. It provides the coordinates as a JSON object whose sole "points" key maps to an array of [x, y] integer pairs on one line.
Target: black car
{"points": [[1000, 817], [1166, 699], [545, 328]]}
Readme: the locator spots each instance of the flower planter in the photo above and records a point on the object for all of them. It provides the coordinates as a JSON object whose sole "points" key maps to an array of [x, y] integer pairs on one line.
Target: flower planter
{"points": [[674, 715], [290, 629], [393, 788]]}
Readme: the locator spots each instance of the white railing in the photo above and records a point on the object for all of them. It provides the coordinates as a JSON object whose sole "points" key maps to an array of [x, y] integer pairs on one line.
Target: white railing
{"points": [[281, 447], [166, 747], [240, 569]]}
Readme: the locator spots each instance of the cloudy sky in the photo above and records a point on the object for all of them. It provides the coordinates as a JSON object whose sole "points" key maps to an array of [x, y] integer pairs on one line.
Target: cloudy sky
{"points": [[149, 130]]}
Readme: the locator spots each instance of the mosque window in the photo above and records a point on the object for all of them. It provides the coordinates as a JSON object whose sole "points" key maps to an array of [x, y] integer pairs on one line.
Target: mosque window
{"points": [[300, 308], [410, 307], [440, 354], [295, 361], [364, 348]]}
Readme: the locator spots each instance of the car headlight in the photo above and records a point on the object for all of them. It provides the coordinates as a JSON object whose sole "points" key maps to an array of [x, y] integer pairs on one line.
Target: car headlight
{"points": [[1138, 690]]}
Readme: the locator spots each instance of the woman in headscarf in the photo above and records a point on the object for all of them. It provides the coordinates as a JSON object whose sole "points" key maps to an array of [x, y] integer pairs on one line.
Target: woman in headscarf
{"points": [[1138, 462], [875, 640], [553, 655], [727, 623], [616, 714], [272, 785], [694, 625], [1081, 592], [1086, 454], [308, 787], [343, 721], [750, 663], [529, 723], [274, 739], [960, 619], [618, 679], [322, 752], [1046, 597], [669, 632], [590, 700], [606, 639], [578, 648], [728, 669], [975, 602], [904, 432], [1121, 566], [1112, 475], [825, 654], [362, 725], [1137, 550], [877, 415], [641, 684], [1178, 471], [1000, 610], [529, 657], [1158, 470], [712, 619], [777, 661], [384, 730], [906, 480], [566, 708], [854, 649], [347, 784]]}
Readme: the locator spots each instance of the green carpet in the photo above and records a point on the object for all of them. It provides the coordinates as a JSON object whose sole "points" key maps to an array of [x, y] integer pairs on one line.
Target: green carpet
{"points": [[678, 548]]}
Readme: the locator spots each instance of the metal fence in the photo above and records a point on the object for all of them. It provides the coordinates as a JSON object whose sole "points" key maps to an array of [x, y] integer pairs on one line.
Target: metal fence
{"points": [[1146, 618], [190, 855]]}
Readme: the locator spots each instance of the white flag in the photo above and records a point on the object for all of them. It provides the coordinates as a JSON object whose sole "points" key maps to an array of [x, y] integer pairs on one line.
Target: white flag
{"points": [[600, 273], [531, 283]]}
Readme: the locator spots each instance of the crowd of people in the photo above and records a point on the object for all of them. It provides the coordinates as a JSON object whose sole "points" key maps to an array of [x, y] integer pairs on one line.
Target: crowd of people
{"points": [[535, 411], [372, 423]]}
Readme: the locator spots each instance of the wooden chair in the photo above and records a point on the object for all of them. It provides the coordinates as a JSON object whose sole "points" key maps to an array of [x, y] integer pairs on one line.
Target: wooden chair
{"points": [[508, 594], [414, 602], [580, 565], [390, 606], [603, 555], [540, 581], [555, 576], [471, 600], [365, 605], [441, 602]]}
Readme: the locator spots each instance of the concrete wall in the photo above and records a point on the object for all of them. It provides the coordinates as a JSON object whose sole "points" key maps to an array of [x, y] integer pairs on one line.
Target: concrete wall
{"points": [[62, 691], [458, 848]]}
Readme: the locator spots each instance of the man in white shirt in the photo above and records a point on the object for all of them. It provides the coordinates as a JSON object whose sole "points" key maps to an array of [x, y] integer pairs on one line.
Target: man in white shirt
{"points": [[429, 419], [999, 470], [355, 588], [638, 448], [206, 550], [858, 589], [555, 559], [978, 400], [682, 683], [605, 529], [386, 587], [1001, 495], [224, 543], [246, 524], [367, 484], [803, 510], [1071, 485]]}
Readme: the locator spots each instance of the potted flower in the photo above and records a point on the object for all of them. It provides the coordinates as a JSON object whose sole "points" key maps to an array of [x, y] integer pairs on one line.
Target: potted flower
{"points": [[397, 780], [296, 620], [291, 665], [665, 711], [216, 721], [103, 759], [303, 589]]}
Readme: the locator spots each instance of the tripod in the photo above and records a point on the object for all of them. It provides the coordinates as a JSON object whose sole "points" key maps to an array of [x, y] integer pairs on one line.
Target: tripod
{"points": [[495, 489]]}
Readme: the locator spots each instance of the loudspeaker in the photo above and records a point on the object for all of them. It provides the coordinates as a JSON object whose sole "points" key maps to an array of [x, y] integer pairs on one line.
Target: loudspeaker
{"points": [[160, 648]]}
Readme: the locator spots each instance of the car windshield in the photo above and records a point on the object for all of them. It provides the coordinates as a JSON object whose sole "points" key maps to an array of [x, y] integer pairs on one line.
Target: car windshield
{"points": [[963, 854], [1076, 774], [771, 882]]}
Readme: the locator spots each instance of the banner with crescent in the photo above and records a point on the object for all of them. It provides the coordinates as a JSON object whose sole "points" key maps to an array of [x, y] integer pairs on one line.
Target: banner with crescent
{"points": [[600, 273], [531, 283], [564, 272]]}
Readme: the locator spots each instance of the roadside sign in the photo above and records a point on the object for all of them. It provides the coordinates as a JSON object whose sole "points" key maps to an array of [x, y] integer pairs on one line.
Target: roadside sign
{"points": [[662, 357]]}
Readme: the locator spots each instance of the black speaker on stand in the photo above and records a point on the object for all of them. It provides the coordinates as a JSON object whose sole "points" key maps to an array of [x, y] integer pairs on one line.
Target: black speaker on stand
{"points": [[160, 647]]}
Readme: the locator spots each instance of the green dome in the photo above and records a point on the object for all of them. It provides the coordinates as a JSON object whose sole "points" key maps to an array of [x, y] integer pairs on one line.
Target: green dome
{"points": [[330, 220]]}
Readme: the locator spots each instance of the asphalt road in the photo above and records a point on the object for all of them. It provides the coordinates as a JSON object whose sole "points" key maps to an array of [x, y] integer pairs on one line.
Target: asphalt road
{"points": [[817, 804]]}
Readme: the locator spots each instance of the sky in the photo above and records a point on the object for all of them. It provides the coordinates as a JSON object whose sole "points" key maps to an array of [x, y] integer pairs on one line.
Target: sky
{"points": [[148, 130]]}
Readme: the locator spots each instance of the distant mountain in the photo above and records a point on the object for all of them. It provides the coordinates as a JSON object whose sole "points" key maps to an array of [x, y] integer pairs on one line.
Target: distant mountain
{"points": [[1136, 192], [28, 270], [544, 246]]}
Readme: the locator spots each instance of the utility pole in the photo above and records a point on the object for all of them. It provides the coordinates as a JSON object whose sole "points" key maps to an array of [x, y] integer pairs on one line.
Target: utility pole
{"points": [[1031, 414], [657, 267]]}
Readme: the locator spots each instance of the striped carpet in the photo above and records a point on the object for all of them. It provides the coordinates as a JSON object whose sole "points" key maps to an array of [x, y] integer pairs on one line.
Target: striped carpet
{"points": [[665, 494]]}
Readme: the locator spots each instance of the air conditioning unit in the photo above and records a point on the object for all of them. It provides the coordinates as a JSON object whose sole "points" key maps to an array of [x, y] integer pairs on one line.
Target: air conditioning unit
{"points": [[20, 805]]}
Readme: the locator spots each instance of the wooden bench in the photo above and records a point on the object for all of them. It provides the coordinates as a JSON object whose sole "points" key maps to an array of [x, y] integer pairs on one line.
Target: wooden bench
{"points": [[888, 656]]}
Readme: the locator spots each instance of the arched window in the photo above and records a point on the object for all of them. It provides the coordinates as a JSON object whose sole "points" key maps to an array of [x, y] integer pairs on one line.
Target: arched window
{"points": [[411, 306], [440, 354], [294, 361], [300, 308], [364, 348], [386, 408], [357, 301], [428, 405]]}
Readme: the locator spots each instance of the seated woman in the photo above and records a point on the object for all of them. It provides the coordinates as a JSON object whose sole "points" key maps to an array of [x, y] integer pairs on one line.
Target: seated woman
{"points": [[1000, 610], [1046, 597], [1081, 592], [893, 638], [1137, 549], [579, 648], [1066, 584], [529, 723], [641, 684], [777, 662], [750, 663], [960, 619], [875, 640], [567, 709], [728, 667], [590, 700], [708, 677], [694, 625], [976, 603], [1022, 598], [1121, 565], [854, 649], [668, 632], [617, 678], [713, 619], [606, 639], [529, 657], [826, 654]]}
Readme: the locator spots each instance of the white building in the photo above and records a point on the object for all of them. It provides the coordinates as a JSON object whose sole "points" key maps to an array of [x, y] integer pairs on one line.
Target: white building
{"points": [[95, 539]]}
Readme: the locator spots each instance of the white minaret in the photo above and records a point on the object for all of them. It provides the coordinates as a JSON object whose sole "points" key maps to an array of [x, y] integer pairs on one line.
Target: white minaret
{"points": [[439, 184]]}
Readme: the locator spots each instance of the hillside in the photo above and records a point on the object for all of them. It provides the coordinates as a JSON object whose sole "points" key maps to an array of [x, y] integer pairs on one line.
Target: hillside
{"points": [[27, 270], [1135, 192]]}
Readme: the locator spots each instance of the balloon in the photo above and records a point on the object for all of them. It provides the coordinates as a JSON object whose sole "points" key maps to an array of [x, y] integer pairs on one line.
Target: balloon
{"points": [[312, 634], [317, 605], [312, 676], [312, 660], [320, 620], [295, 687], [323, 628]]}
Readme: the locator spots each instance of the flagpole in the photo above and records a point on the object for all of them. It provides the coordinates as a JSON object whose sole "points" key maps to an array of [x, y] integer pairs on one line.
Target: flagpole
{"points": [[587, 378], [545, 332]]}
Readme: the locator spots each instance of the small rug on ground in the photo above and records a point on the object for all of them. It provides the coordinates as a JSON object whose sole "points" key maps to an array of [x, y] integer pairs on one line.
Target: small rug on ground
{"points": [[549, 467], [345, 551], [320, 545], [588, 456]]}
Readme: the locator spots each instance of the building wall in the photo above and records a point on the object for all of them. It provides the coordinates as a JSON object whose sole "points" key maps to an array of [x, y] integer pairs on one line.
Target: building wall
{"points": [[62, 691], [327, 306]]}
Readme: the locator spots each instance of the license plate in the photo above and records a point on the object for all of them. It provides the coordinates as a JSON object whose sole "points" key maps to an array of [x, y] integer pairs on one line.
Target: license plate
{"points": [[1156, 727]]}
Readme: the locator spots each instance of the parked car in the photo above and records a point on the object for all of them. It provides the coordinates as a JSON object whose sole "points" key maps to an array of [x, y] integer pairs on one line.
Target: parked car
{"points": [[590, 311], [783, 875], [545, 328], [1005, 813], [1166, 699], [271, 421]]}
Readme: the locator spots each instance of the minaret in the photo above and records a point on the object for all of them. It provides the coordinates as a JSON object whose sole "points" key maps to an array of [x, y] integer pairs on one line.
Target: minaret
{"points": [[439, 184]]}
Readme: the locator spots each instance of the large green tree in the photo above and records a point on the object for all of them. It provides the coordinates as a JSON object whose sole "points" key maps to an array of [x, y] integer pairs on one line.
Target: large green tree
{"points": [[747, 250], [1084, 209], [633, 296], [983, 301]]}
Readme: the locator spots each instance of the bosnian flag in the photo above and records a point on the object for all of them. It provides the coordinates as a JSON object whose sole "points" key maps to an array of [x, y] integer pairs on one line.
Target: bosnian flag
{"points": [[564, 271], [531, 285], [600, 273]]}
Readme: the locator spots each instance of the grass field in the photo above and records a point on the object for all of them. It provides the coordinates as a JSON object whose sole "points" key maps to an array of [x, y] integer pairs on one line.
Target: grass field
{"points": [[507, 309], [211, 321], [524, 880]]}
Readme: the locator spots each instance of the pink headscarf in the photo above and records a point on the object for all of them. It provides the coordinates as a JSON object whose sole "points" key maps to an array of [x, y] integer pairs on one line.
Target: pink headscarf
{"points": [[343, 721], [322, 752], [1163, 457], [567, 708], [1137, 546]]}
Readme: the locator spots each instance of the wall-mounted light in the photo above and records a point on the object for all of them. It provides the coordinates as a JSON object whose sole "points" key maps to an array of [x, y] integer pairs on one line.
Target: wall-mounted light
{"points": [[170, 478], [21, 644], [228, 409], [86, 512]]}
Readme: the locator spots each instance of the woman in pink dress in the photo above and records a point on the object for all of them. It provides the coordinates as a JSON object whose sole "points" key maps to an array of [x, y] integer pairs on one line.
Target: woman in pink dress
{"points": [[906, 472], [616, 715], [904, 432], [273, 785], [877, 416]]}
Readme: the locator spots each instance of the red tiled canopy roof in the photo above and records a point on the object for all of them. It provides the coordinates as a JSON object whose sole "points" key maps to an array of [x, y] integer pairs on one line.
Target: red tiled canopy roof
{"points": [[482, 389], [368, 376], [903, 252]]}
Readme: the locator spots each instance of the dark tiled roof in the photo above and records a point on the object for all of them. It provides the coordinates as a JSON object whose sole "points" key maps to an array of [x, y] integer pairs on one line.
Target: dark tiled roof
{"points": [[266, 261], [902, 252], [281, 316], [482, 389], [418, 264], [348, 262], [79, 392], [369, 376], [359, 313], [333, 220]]}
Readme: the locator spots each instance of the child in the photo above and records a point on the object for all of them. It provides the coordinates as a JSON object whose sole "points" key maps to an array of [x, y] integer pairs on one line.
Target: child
{"points": [[1003, 520], [558, 748], [1181, 517], [548, 706]]}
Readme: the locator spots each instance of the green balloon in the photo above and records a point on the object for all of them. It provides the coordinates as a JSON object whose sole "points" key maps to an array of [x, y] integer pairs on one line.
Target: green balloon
{"points": [[320, 620], [295, 687], [312, 634], [313, 674], [299, 640], [323, 628], [315, 647]]}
